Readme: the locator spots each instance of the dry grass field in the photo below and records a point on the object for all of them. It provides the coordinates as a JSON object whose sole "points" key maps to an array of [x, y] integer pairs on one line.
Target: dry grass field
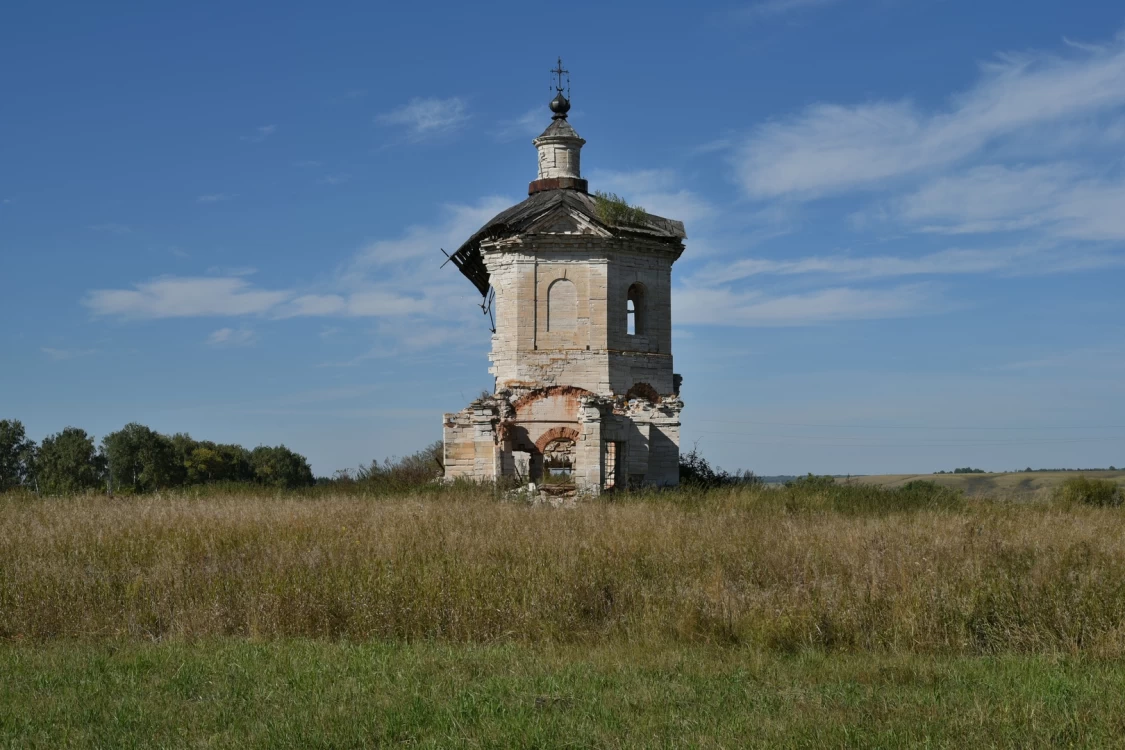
{"points": [[848, 616]]}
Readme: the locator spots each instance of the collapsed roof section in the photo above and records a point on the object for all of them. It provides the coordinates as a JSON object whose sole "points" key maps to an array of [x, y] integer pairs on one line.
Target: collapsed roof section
{"points": [[532, 214]]}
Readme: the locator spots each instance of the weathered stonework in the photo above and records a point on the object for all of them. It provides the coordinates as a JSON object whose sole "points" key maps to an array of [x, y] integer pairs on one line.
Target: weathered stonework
{"points": [[582, 353]]}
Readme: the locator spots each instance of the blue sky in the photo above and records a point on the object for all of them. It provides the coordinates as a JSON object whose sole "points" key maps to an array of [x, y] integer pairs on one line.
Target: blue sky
{"points": [[906, 218]]}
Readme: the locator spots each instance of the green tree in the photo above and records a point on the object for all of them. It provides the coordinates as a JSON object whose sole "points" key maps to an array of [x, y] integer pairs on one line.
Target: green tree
{"points": [[183, 444], [142, 460], [17, 455], [236, 463], [280, 467], [67, 462]]}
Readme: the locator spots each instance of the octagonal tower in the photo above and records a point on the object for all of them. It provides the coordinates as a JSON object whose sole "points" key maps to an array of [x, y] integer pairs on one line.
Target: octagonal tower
{"points": [[585, 396]]}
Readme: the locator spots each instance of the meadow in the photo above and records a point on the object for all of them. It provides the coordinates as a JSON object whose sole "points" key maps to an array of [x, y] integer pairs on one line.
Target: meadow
{"points": [[805, 616], [1018, 484]]}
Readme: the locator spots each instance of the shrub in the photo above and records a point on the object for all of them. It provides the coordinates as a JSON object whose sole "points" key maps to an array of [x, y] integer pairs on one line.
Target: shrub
{"points": [[812, 482], [1101, 492], [823, 494], [416, 470], [697, 472]]}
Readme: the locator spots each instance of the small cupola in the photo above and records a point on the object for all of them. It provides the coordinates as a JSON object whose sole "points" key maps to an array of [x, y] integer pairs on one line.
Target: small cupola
{"points": [[560, 147]]}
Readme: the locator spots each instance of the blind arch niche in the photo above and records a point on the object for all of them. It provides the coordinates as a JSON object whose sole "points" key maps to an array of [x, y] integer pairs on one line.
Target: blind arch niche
{"points": [[562, 306]]}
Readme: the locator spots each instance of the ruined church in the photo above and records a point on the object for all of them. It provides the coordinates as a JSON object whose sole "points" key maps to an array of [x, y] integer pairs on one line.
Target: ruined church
{"points": [[585, 396]]}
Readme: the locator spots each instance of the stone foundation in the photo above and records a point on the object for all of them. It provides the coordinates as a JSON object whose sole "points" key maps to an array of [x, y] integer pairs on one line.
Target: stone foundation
{"points": [[589, 441]]}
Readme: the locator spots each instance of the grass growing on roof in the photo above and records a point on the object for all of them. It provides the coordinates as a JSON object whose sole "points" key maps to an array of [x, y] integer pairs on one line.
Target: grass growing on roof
{"points": [[614, 210]]}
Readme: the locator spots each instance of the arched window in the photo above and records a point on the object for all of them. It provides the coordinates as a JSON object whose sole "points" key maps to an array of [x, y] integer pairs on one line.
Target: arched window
{"points": [[562, 306], [635, 311]]}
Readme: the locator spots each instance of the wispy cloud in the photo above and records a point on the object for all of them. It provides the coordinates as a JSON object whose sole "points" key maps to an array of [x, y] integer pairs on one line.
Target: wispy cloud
{"points": [[528, 125], [771, 8], [1017, 260], [422, 241], [261, 133], [231, 271], [724, 307], [372, 284], [394, 281], [308, 164], [1058, 199], [1096, 359], [61, 355], [830, 148], [214, 197], [232, 337], [426, 118], [182, 297], [112, 228], [334, 179]]}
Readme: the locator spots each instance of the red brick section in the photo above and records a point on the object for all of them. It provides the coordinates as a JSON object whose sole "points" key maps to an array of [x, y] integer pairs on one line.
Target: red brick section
{"points": [[555, 390], [558, 183], [645, 391], [555, 433]]}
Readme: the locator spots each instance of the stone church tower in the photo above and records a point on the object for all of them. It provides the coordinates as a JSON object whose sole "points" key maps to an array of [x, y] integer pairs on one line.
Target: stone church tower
{"points": [[585, 395]]}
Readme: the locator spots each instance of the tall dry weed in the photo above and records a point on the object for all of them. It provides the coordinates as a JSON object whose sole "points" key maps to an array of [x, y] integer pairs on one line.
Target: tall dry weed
{"points": [[739, 565]]}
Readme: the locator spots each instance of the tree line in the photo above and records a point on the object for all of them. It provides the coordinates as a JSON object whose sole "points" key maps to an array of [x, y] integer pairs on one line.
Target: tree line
{"points": [[138, 459]]}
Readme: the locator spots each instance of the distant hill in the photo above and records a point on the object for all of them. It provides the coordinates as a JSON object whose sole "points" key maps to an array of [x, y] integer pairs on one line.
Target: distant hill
{"points": [[1016, 481]]}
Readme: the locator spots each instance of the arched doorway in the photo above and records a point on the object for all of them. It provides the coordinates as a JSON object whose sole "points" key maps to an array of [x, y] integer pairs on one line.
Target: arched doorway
{"points": [[558, 461], [557, 454]]}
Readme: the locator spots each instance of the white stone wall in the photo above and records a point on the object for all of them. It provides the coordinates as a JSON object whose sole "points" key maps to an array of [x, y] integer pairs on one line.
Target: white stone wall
{"points": [[470, 445], [596, 352]]}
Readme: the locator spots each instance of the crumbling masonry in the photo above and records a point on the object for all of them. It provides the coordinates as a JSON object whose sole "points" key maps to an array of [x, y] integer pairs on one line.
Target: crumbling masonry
{"points": [[585, 395]]}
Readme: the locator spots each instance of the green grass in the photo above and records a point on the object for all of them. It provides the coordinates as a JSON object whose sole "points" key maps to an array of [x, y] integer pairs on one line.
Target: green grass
{"points": [[321, 694]]}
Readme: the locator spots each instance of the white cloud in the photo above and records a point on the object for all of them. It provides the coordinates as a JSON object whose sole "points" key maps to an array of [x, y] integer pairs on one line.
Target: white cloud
{"points": [[682, 205], [829, 148], [1056, 198], [231, 337], [261, 133], [61, 355], [112, 228], [334, 179], [636, 181], [182, 297], [308, 163], [719, 306], [528, 125], [423, 241], [771, 8], [315, 304], [384, 303], [424, 118], [214, 197], [231, 271], [395, 279], [1016, 260]]}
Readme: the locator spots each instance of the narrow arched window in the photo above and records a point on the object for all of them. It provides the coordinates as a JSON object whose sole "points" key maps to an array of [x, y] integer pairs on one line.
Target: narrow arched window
{"points": [[635, 311]]}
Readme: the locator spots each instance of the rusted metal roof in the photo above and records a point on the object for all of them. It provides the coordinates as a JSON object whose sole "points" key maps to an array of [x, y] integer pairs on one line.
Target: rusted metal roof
{"points": [[518, 218]]}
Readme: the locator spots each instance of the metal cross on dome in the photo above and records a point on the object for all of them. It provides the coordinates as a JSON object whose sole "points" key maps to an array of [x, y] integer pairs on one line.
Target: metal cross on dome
{"points": [[559, 72]]}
